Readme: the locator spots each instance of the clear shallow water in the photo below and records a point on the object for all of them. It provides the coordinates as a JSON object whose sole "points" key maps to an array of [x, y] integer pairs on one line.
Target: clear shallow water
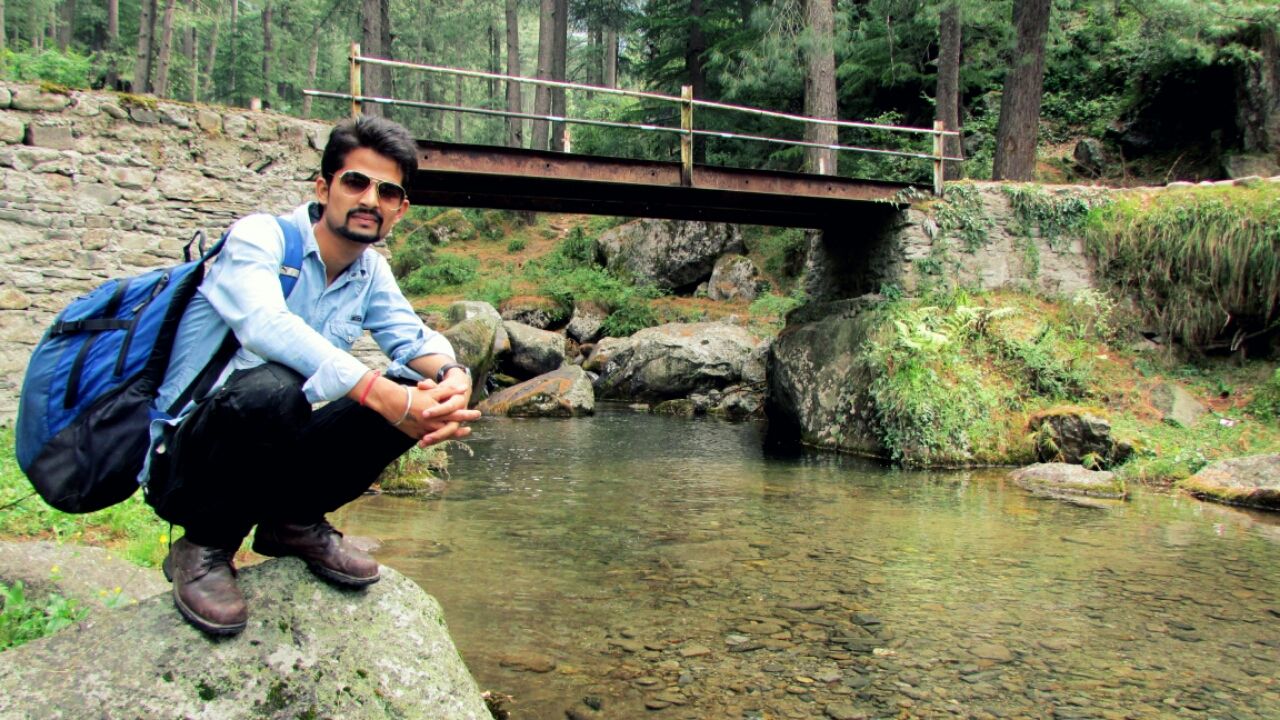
{"points": [[669, 564]]}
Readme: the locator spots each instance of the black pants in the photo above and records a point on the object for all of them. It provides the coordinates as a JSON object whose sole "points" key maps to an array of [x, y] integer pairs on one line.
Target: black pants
{"points": [[255, 452]]}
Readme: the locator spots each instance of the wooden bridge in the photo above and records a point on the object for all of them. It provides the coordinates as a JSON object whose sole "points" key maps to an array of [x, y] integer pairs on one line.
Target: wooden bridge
{"points": [[487, 176]]}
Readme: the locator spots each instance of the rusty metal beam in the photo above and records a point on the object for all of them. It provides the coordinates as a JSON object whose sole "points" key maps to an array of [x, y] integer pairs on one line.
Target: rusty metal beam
{"points": [[515, 179]]}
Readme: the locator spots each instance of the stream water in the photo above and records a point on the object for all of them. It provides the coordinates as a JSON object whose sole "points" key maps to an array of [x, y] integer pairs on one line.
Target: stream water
{"points": [[628, 566]]}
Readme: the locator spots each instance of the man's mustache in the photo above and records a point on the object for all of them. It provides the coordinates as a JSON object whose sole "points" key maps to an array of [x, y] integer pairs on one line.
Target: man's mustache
{"points": [[372, 213]]}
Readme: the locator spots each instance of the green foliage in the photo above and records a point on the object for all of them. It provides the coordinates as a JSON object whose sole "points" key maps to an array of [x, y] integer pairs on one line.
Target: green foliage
{"points": [[1090, 315], [516, 244], [575, 250], [444, 271], [778, 251], [131, 525], [1266, 399], [631, 315], [1053, 217], [494, 291], [1203, 263], [772, 309], [68, 69], [961, 215], [23, 619]]}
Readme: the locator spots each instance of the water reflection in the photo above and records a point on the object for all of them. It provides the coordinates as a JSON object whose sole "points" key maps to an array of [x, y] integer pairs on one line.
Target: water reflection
{"points": [[667, 566]]}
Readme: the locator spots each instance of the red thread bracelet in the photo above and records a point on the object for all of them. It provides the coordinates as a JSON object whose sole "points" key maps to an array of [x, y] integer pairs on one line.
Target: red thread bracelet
{"points": [[364, 395]]}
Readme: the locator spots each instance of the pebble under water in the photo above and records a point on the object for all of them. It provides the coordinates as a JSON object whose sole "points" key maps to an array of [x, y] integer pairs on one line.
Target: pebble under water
{"points": [[632, 566]]}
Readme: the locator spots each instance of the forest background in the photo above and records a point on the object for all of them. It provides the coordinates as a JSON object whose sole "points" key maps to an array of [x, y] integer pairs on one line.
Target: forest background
{"points": [[1157, 89]]}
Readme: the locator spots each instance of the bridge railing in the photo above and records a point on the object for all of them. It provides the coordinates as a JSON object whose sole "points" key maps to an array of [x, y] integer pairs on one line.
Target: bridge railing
{"points": [[686, 102]]}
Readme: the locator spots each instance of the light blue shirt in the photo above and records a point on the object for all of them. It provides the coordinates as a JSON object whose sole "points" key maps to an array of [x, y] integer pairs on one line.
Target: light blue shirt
{"points": [[312, 332]]}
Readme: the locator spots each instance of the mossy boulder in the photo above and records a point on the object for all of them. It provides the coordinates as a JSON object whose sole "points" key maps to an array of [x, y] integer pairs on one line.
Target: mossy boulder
{"points": [[1252, 481], [1073, 435], [565, 392], [675, 360], [533, 351], [1067, 479], [476, 341], [309, 650]]}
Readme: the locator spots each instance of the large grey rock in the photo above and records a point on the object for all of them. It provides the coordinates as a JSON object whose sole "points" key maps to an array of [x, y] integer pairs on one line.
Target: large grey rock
{"points": [[93, 576], [817, 386], [1253, 481], [476, 343], [1067, 479], [1090, 156], [463, 309], [32, 98], [1071, 436], [671, 254], [310, 650], [539, 313], [671, 361], [1255, 164], [1177, 405], [533, 351], [587, 322], [565, 392], [734, 277], [603, 352]]}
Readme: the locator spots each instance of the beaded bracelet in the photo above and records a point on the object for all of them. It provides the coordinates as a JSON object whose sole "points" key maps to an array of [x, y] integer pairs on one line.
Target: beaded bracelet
{"points": [[408, 405]]}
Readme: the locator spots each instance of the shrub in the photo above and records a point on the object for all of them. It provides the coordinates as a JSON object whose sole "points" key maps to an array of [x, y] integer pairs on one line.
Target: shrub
{"points": [[69, 69], [516, 245], [1266, 400], [443, 271], [632, 315]]}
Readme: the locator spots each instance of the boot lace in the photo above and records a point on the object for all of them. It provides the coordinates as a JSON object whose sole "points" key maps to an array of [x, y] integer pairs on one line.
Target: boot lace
{"points": [[212, 557]]}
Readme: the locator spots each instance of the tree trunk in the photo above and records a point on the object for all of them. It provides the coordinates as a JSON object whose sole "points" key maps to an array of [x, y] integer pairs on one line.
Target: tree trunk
{"points": [[820, 86], [1258, 105], [166, 47], [146, 28], [267, 49], [495, 63], [66, 28], [312, 62], [559, 68], [113, 42], [234, 41], [388, 81], [515, 126], [595, 54], [1015, 157], [610, 58], [187, 48], [212, 57], [947, 107], [546, 53], [371, 45], [4, 41], [695, 46]]}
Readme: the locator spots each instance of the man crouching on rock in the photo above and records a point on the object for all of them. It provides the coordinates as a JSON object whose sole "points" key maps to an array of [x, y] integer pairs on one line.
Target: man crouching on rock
{"points": [[247, 448]]}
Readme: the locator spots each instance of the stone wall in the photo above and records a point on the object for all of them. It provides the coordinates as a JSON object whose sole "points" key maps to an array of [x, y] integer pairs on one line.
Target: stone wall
{"points": [[922, 245], [100, 185]]}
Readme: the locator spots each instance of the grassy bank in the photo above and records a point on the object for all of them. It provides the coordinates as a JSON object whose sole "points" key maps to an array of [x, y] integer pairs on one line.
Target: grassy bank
{"points": [[131, 528], [958, 376]]}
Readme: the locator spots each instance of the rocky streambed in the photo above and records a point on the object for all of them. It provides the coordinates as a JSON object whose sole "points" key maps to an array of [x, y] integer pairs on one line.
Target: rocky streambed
{"points": [[629, 566]]}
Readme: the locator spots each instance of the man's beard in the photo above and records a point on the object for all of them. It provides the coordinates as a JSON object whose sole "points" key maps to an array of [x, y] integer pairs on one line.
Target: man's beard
{"points": [[346, 232]]}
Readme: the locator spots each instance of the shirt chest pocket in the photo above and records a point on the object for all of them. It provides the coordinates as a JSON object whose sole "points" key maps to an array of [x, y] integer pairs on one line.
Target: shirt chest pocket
{"points": [[344, 333]]}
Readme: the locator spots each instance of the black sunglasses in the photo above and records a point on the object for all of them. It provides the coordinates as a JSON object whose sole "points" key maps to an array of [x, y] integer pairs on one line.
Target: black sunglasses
{"points": [[355, 182]]}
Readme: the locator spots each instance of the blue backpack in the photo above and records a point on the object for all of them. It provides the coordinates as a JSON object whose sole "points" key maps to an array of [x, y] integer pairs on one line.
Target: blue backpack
{"points": [[87, 400]]}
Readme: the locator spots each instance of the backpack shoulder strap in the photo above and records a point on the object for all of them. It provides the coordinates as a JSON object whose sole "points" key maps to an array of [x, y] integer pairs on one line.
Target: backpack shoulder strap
{"points": [[291, 268]]}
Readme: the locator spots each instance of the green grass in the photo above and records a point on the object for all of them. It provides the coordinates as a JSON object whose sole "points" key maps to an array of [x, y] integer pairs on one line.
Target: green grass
{"points": [[130, 527], [23, 619], [1203, 262]]}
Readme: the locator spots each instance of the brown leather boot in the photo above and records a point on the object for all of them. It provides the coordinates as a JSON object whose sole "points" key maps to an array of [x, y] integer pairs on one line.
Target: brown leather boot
{"points": [[326, 552], [204, 587]]}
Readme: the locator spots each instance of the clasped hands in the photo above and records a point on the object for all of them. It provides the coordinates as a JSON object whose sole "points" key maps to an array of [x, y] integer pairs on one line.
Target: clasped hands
{"points": [[429, 412]]}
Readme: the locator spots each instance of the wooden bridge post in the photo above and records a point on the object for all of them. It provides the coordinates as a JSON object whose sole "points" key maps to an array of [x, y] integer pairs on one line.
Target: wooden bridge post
{"points": [[355, 79], [938, 147], [686, 138]]}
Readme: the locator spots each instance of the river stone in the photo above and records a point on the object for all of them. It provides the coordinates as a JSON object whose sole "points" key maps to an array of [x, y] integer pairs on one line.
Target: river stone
{"points": [[992, 652], [1252, 481], [464, 309], [671, 361], [734, 277], [845, 711], [1068, 479], [533, 351], [536, 312], [604, 352], [310, 650], [672, 254], [475, 342], [1069, 435], [91, 575], [1177, 405], [565, 392], [527, 662], [587, 322]]}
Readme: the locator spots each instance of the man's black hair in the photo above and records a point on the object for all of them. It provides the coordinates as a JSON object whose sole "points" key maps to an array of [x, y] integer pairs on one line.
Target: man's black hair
{"points": [[383, 136]]}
